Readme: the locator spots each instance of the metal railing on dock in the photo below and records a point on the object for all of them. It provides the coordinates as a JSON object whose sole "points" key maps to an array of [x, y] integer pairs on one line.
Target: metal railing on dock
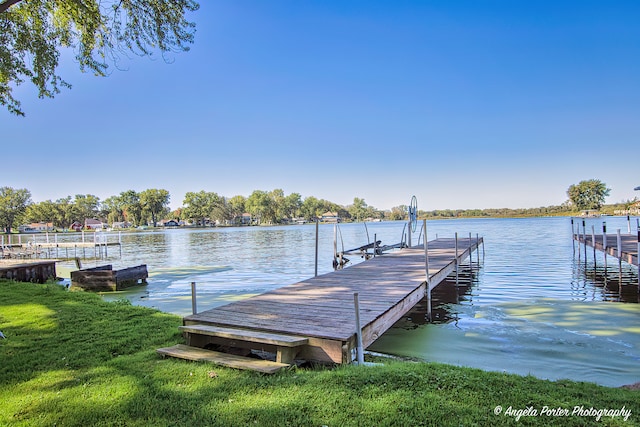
{"points": [[60, 245]]}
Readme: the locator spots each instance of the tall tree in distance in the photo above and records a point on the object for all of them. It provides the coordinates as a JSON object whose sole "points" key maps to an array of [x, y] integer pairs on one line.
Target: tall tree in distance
{"points": [[589, 194], [131, 207], [155, 203], [99, 31], [13, 203]]}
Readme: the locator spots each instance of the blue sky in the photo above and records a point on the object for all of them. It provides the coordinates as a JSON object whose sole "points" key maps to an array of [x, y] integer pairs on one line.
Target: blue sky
{"points": [[465, 104]]}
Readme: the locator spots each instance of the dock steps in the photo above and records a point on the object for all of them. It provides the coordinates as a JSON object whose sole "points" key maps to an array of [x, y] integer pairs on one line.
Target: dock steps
{"points": [[287, 346], [182, 351], [246, 335]]}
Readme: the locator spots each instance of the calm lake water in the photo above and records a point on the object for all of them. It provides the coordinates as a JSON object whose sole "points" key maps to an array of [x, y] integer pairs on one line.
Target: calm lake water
{"points": [[531, 304]]}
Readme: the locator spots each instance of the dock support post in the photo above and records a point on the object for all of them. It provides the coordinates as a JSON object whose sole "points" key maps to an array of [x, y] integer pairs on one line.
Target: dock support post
{"points": [[584, 238], [335, 246], [573, 238], [316, 271], [638, 259], [194, 308], [426, 253], [619, 252], [426, 268], [577, 238], [593, 242], [628, 224], [456, 259], [604, 244], [478, 249], [359, 349], [375, 238]]}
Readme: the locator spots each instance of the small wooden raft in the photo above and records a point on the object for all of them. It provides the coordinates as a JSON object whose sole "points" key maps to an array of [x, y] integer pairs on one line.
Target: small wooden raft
{"points": [[105, 278]]}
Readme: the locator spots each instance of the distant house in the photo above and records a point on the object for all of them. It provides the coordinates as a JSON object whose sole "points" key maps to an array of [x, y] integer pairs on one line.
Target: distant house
{"points": [[123, 224], [590, 213], [27, 229], [93, 224], [246, 219], [171, 223], [76, 226], [330, 217], [42, 226]]}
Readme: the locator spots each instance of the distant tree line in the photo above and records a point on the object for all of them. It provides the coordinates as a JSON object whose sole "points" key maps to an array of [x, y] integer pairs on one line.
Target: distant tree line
{"points": [[199, 208], [265, 207]]}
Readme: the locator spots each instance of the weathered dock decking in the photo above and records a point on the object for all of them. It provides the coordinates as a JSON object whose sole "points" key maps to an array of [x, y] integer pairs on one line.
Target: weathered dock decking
{"points": [[320, 310], [628, 245]]}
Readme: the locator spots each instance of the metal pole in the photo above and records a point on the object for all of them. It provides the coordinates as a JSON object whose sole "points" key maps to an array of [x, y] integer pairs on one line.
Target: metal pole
{"points": [[619, 245], [426, 253], [638, 260], [375, 239], [620, 257], [604, 244], [335, 246], [584, 238], [316, 272], [470, 258], [456, 259], [593, 242], [577, 237], [409, 230], [194, 308], [573, 239], [359, 346], [426, 268], [628, 224], [478, 249]]}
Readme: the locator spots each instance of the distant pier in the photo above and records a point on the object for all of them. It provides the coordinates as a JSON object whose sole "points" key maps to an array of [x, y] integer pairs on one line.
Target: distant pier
{"points": [[622, 247], [27, 270], [60, 245]]}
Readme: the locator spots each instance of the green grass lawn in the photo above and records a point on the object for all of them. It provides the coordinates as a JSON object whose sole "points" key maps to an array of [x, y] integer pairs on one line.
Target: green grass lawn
{"points": [[71, 359]]}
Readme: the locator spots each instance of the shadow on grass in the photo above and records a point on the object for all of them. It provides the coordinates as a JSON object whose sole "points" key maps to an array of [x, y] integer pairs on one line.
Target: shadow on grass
{"points": [[72, 359]]}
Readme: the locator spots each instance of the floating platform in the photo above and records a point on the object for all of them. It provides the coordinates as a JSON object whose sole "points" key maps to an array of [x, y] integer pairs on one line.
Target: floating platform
{"points": [[28, 270], [314, 320], [105, 278]]}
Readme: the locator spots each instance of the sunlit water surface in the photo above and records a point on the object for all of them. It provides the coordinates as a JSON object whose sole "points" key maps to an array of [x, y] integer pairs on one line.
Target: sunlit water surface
{"points": [[530, 303]]}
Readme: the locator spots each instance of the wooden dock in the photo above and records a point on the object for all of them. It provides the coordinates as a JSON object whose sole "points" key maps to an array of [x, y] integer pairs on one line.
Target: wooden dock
{"points": [[28, 270], [628, 251], [314, 320]]}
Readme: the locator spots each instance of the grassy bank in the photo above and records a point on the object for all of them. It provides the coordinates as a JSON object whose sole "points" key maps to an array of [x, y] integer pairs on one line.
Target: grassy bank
{"points": [[71, 359]]}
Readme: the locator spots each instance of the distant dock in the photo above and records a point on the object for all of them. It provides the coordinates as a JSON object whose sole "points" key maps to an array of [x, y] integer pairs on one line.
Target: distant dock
{"points": [[623, 247], [27, 270], [315, 319], [59, 245]]}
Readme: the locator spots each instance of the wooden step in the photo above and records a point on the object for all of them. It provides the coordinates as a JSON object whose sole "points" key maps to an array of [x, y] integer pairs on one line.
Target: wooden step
{"points": [[279, 340], [182, 351]]}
